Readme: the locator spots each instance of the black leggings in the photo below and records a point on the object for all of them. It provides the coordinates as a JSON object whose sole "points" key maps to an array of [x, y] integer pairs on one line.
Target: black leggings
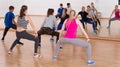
{"points": [[7, 29], [25, 35], [48, 31]]}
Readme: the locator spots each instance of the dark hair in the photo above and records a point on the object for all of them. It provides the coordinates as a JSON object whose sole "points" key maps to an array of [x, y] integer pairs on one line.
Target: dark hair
{"points": [[68, 4], [61, 4], [92, 3], [88, 6], [11, 7], [22, 10], [50, 12], [83, 7]]}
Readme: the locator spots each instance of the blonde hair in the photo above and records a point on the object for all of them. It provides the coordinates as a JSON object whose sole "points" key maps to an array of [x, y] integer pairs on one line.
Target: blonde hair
{"points": [[115, 7]]}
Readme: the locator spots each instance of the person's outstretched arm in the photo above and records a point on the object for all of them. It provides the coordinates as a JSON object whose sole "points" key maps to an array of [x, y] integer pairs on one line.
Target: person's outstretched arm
{"points": [[31, 24], [112, 13], [83, 31]]}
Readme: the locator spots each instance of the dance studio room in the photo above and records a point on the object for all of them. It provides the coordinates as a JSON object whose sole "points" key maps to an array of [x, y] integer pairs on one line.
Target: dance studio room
{"points": [[59, 33]]}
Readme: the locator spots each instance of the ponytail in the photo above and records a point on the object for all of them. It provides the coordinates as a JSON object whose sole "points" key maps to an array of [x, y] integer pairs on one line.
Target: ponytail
{"points": [[22, 10]]}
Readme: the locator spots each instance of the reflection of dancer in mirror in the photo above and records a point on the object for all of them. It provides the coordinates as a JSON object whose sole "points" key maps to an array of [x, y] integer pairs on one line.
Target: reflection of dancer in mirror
{"points": [[10, 22], [21, 32], [63, 18], [91, 17], [86, 20], [60, 10], [69, 8], [71, 25], [95, 12], [116, 11]]}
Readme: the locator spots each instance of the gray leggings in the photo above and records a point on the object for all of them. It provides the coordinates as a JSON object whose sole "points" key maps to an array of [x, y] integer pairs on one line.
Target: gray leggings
{"points": [[113, 19], [75, 41], [25, 35]]}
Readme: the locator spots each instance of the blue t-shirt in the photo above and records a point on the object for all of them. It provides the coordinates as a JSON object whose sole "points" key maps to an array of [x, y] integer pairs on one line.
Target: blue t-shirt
{"points": [[8, 19], [60, 10]]}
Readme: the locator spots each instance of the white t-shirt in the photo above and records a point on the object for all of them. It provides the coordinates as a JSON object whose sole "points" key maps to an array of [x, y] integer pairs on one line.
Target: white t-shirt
{"points": [[68, 10]]}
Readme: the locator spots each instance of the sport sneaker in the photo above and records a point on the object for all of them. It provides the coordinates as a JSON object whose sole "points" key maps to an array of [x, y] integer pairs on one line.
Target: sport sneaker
{"points": [[51, 39], [36, 55], [55, 58], [61, 47], [94, 32], [10, 51], [2, 39], [90, 62]]}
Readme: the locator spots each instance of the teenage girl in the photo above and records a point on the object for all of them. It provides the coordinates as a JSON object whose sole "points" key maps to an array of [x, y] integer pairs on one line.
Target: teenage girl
{"points": [[91, 16], [22, 33], [94, 10], [116, 11], [85, 19], [48, 25], [63, 18], [71, 25]]}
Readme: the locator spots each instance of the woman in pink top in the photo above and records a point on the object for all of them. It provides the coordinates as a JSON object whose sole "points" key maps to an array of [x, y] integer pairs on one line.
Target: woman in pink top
{"points": [[71, 25], [116, 11]]}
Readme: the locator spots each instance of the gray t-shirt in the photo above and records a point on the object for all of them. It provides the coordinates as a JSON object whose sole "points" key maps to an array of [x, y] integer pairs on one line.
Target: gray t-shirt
{"points": [[50, 22], [22, 22]]}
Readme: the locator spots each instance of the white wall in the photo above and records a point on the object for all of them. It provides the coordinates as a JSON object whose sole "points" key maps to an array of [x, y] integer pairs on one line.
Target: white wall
{"points": [[4, 6], [39, 7], [106, 6]]}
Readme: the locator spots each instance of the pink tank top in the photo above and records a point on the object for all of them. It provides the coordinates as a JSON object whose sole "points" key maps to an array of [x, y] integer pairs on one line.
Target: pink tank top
{"points": [[117, 14], [71, 29]]}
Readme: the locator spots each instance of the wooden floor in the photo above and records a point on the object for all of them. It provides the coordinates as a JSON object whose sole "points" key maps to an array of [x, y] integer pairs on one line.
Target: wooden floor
{"points": [[104, 53]]}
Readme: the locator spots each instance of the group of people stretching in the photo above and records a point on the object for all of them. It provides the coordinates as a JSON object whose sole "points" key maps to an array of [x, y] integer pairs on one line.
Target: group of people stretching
{"points": [[68, 23]]}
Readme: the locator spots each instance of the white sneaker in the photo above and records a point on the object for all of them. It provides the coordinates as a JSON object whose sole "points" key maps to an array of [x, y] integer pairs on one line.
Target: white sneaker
{"points": [[9, 52], [55, 58], [36, 55]]}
